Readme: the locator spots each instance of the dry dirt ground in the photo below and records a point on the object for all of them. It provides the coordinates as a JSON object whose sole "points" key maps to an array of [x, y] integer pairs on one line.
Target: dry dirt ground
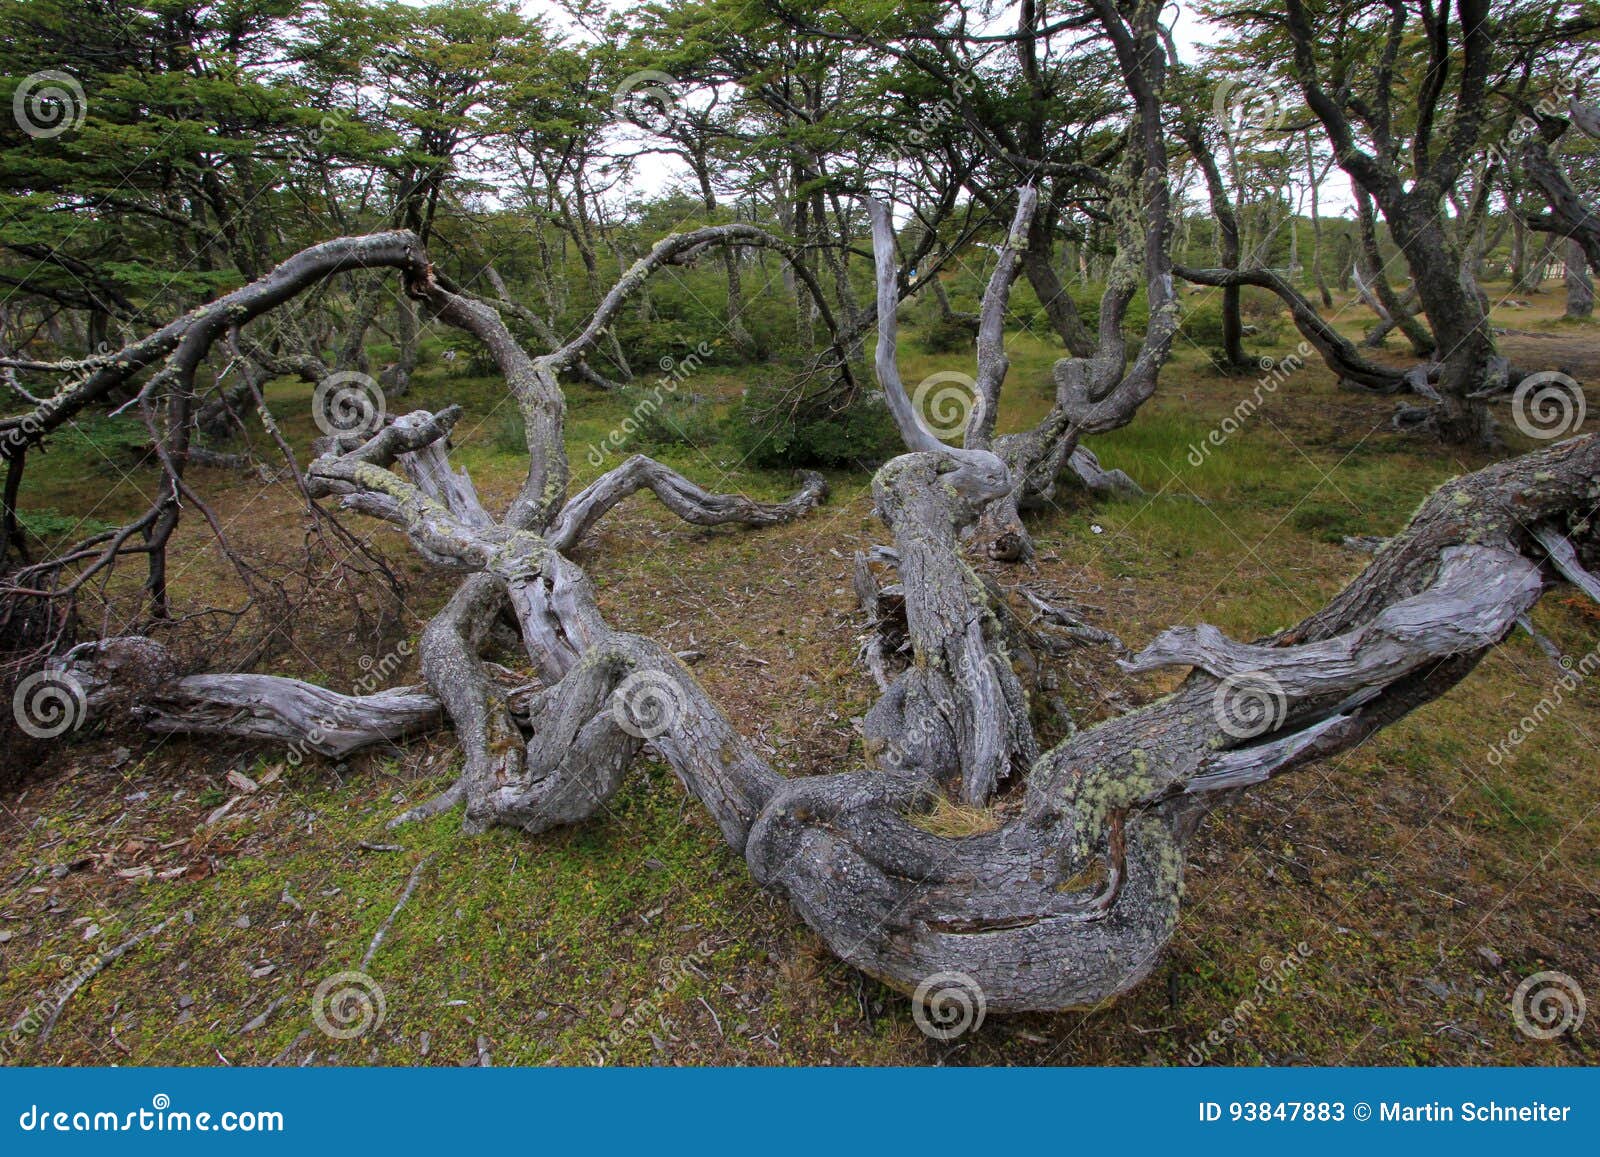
{"points": [[1412, 884]]}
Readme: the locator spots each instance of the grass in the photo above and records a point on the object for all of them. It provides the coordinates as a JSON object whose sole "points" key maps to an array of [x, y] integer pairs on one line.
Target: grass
{"points": [[955, 820], [1406, 868]]}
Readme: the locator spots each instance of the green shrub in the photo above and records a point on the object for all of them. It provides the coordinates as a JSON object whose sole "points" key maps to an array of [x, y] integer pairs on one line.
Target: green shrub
{"points": [[510, 434], [1086, 299], [50, 524], [1330, 522], [670, 419], [952, 334], [768, 431], [107, 436], [471, 355], [1202, 321], [1259, 305], [1202, 324]]}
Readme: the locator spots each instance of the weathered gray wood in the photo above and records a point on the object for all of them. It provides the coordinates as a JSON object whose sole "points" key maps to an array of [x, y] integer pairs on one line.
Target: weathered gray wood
{"points": [[992, 360], [1074, 893], [1478, 597], [266, 708], [976, 473], [1565, 560], [679, 495]]}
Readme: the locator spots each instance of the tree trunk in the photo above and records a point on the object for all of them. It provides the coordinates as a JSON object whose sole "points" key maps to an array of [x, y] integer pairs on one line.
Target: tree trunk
{"points": [[1072, 894], [1394, 310], [1053, 296], [1471, 367], [1227, 225], [1580, 288]]}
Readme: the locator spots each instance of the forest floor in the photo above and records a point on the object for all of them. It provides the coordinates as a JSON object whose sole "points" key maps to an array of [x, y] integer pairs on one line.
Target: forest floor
{"points": [[1414, 881]]}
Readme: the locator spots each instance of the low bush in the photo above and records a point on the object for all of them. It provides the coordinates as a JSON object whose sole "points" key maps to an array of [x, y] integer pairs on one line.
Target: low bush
{"points": [[768, 430]]}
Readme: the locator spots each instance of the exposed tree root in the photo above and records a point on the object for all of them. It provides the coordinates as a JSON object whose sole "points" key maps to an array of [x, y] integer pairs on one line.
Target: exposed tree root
{"points": [[405, 896], [85, 975]]}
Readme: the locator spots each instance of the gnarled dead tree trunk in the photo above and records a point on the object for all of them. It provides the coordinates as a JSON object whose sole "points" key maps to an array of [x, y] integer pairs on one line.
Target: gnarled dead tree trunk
{"points": [[1072, 896], [1071, 899]]}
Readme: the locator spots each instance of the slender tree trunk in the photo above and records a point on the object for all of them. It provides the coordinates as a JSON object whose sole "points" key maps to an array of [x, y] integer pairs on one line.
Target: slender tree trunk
{"points": [[1317, 273], [730, 261], [1580, 288], [1053, 296], [1422, 342], [1227, 233]]}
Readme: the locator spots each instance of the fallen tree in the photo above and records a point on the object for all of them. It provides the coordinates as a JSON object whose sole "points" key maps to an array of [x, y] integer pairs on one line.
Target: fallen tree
{"points": [[1073, 895]]}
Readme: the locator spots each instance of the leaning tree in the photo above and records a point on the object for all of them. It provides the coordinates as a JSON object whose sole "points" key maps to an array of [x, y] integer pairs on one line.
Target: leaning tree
{"points": [[1071, 895], [1416, 101]]}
